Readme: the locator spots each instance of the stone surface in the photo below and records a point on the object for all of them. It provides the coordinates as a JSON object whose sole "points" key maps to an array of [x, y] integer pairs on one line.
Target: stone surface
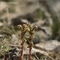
{"points": [[49, 45], [54, 6], [3, 5]]}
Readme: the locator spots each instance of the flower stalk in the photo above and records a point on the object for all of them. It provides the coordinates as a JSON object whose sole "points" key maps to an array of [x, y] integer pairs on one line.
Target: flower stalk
{"points": [[30, 29], [23, 31], [31, 32]]}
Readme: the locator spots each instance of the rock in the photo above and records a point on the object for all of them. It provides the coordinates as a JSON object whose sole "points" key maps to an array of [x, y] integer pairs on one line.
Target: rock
{"points": [[39, 22], [26, 6], [1, 24], [47, 30], [54, 7], [42, 36], [50, 45], [18, 21], [43, 32], [57, 49], [1, 36], [42, 26], [2, 5]]}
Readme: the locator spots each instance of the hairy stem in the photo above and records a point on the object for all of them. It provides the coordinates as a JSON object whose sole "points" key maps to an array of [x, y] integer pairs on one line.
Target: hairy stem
{"points": [[30, 49], [22, 47]]}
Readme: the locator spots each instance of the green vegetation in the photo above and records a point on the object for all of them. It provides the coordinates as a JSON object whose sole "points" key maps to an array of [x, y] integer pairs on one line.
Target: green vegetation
{"points": [[40, 14], [55, 28]]}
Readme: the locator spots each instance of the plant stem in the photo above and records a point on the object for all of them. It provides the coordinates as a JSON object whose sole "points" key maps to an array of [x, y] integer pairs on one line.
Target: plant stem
{"points": [[30, 49], [22, 47]]}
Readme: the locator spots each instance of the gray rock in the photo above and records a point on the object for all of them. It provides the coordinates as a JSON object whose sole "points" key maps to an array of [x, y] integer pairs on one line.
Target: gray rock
{"points": [[54, 6], [57, 49], [49, 45], [2, 5]]}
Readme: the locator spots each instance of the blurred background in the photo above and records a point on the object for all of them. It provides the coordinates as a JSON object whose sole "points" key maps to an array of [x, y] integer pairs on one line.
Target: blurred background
{"points": [[43, 13]]}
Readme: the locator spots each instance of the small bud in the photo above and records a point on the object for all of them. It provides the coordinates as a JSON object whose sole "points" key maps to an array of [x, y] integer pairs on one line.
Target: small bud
{"points": [[28, 29], [24, 25], [29, 25], [35, 27], [20, 27]]}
